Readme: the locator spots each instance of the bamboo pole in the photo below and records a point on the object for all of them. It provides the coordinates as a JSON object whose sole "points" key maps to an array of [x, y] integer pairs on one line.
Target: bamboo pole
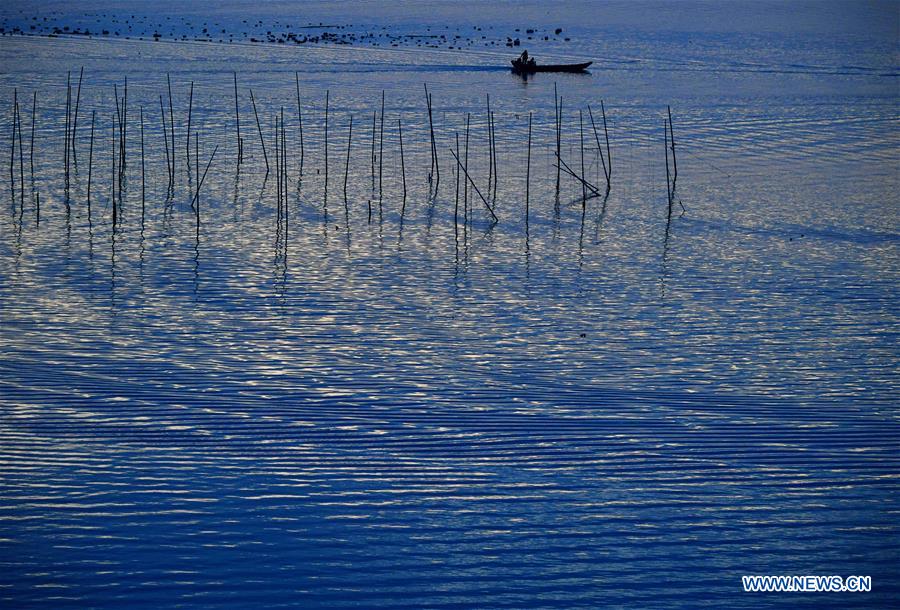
{"points": [[112, 184], [284, 174], [494, 141], [606, 133], [558, 145], [672, 147], [196, 195], [123, 131], [581, 136], [402, 160], [171, 124], [490, 145], [300, 121], [599, 148], [90, 162], [33, 120], [66, 138], [284, 163], [77, 104], [12, 151], [435, 172], [456, 198], [162, 114], [197, 171], [347, 163], [22, 160], [259, 129], [556, 117], [237, 122], [668, 183], [565, 167], [437, 165], [474, 186], [381, 153], [143, 169], [528, 172], [277, 164], [372, 155], [466, 168], [372, 163], [326, 146], [187, 139]]}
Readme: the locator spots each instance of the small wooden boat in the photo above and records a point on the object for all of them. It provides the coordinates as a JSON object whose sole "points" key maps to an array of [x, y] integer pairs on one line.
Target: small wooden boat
{"points": [[530, 67]]}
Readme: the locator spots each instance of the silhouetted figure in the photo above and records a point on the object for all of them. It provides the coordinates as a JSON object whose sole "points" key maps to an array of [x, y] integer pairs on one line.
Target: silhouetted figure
{"points": [[526, 61]]}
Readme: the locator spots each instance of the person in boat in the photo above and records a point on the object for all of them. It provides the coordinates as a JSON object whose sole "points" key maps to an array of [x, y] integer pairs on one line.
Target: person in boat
{"points": [[525, 60]]}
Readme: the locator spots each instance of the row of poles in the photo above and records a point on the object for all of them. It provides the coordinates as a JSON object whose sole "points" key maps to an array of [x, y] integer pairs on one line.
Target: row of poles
{"points": [[460, 154]]}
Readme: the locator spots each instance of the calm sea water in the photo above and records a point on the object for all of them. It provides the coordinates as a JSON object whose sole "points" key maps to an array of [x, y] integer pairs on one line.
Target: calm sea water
{"points": [[607, 406]]}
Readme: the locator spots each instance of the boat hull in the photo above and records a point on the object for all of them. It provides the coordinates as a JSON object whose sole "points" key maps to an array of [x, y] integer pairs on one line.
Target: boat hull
{"points": [[531, 69]]}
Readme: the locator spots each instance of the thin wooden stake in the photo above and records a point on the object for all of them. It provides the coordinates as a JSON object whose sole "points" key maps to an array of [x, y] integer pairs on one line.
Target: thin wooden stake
{"points": [[599, 148], [372, 156], [490, 145], [197, 171], [668, 183], [437, 165], [143, 178], [259, 128], [466, 169], [12, 151], [402, 160], [162, 114], [558, 144], [494, 141], [556, 105], [171, 124], [565, 167], [66, 139], [123, 132], [672, 146], [90, 162], [187, 140], [326, 146], [528, 171], [474, 186], [347, 164], [237, 123], [112, 184], [77, 104], [435, 171], [31, 148], [284, 158], [300, 121], [277, 164], [381, 152], [456, 199], [22, 160], [606, 133], [197, 194], [581, 136], [372, 163], [284, 175]]}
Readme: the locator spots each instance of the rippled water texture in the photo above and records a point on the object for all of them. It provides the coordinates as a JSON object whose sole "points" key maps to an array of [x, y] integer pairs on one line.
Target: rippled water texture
{"points": [[307, 405]]}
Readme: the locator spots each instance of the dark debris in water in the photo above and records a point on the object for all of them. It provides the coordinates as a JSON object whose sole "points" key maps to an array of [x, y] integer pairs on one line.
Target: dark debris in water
{"points": [[187, 28]]}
